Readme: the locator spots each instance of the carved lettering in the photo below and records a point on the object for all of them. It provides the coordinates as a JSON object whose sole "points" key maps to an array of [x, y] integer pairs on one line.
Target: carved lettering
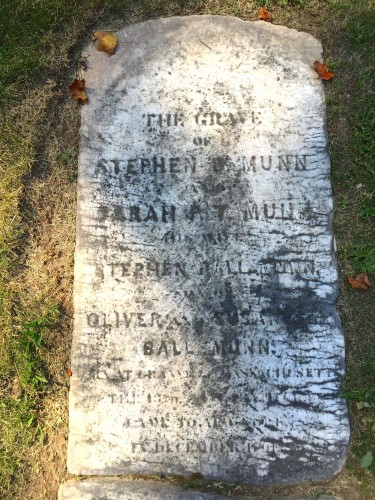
{"points": [[135, 213]]}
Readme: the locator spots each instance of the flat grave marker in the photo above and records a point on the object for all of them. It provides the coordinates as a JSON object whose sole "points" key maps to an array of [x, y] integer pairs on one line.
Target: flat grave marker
{"points": [[206, 337]]}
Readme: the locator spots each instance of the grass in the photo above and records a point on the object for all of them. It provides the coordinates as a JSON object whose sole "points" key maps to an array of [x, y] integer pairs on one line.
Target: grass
{"points": [[353, 153], [19, 407], [41, 42]]}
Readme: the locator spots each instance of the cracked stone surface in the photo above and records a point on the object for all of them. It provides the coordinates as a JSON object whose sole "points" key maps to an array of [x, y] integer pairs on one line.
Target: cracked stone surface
{"points": [[206, 336]]}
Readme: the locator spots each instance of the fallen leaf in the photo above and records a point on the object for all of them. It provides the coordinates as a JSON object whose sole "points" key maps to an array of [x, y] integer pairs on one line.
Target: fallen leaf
{"points": [[367, 459], [77, 90], [322, 70], [16, 389], [360, 281], [69, 373], [264, 14], [107, 41]]}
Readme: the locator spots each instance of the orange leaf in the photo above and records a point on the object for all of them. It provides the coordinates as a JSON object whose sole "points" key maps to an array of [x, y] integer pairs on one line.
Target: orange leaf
{"points": [[360, 281], [264, 14], [322, 70], [107, 41], [69, 372], [77, 90]]}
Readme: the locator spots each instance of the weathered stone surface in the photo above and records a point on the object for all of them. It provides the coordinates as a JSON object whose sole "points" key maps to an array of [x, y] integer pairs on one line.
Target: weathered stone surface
{"points": [[125, 490], [118, 489], [206, 336]]}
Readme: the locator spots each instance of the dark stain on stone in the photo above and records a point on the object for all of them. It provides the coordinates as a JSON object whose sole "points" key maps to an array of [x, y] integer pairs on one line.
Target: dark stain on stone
{"points": [[229, 306]]}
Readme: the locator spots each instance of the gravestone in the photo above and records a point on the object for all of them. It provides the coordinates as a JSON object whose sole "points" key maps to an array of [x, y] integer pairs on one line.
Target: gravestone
{"points": [[206, 337]]}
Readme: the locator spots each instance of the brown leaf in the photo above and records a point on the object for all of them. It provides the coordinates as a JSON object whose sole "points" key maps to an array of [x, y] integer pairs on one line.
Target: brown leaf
{"points": [[322, 70], [264, 14], [107, 41], [69, 372], [16, 389], [77, 90], [360, 281]]}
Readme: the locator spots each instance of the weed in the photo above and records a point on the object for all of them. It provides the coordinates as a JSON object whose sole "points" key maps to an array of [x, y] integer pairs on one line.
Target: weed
{"points": [[65, 157], [29, 360], [368, 207], [345, 202], [364, 400], [365, 397], [363, 258]]}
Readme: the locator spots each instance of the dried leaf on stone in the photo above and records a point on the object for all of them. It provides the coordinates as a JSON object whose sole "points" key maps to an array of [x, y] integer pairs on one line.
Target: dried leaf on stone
{"points": [[264, 14], [360, 281], [77, 90], [106, 41], [323, 71]]}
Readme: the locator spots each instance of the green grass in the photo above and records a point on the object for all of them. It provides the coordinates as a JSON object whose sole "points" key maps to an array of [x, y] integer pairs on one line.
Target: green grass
{"points": [[28, 377], [29, 351], [352, 106], [39, 48]]}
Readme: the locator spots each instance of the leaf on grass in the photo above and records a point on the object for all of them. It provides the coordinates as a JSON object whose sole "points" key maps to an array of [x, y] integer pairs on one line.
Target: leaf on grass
{"points": [[367, 459], [107, 41], [360, 281], [322, 70], [16, 388], [30, 421], [77, 90], [367, 420], [264, 15]]}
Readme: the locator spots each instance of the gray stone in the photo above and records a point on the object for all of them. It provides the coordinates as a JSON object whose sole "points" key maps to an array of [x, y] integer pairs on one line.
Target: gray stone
{"points": [[118, 489], [206, 337]]}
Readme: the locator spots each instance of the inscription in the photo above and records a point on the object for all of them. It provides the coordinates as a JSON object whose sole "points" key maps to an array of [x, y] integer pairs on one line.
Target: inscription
{"points": [[154, 320], [222, 212], [202, 118], [147, 269], [229, 119], [225, 446], [164, 165], [151, 269], [139, 166], [136, 213], [167, 348], [164, 119], [115, 371]]}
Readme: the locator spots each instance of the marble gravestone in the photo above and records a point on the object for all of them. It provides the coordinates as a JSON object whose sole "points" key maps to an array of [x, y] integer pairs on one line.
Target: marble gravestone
{"points": [[206, 337]]}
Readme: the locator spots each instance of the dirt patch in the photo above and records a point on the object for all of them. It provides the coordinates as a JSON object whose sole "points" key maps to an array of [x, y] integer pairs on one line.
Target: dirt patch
{"points": [[50, 470]]}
